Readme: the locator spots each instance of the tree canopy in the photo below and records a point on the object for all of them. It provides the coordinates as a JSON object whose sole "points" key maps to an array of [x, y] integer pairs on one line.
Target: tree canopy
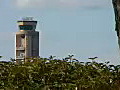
{"points": [[56, 74]]}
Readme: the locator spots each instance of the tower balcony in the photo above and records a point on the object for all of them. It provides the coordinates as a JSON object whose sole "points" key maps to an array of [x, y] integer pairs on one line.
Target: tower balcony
{"points": [[20, 48], [20, 57]]}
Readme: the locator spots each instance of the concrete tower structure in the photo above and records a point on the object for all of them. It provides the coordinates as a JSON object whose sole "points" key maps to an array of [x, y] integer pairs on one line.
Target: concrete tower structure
{"points": [[27, 40]]}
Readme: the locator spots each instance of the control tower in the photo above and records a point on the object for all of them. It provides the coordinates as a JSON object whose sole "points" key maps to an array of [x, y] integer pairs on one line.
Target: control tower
{"points": [[27, 40]]}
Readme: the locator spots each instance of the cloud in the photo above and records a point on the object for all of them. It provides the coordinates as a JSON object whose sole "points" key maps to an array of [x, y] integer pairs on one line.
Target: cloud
{"points": [[62, 3]]}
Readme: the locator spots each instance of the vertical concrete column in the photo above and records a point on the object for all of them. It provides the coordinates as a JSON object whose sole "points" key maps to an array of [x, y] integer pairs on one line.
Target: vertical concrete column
{"points": [[26, 46], [30, 45]]}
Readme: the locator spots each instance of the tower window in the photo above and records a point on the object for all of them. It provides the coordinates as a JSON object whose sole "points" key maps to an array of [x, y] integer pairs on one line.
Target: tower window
{"points": [[26, 27]]}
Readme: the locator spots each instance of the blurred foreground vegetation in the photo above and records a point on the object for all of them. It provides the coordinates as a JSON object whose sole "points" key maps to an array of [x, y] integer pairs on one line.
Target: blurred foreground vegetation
{"points": [[55, 74]]}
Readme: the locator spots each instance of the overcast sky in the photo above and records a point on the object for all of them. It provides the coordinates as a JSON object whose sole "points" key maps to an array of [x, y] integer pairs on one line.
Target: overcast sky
{"points": [[84, 28]]}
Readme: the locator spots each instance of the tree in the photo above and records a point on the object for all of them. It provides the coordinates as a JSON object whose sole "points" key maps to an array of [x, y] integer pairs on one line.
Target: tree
{"points": [[58, 74], [116, 6], [0, 56]]}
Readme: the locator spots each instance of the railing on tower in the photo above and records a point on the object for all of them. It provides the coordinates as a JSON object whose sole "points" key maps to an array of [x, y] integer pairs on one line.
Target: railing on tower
{"points": [[20, 48]]}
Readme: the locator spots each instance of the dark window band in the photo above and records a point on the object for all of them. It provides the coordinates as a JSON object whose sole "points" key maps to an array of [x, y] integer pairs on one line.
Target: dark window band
{"points": [[26, 27]]}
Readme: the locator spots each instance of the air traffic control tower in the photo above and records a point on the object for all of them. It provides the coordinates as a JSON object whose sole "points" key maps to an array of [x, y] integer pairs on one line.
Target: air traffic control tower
{"points": [[27, 40]]}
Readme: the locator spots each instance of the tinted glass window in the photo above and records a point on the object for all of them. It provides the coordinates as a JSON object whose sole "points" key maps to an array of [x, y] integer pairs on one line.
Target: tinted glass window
{"points": [[26, 27]]}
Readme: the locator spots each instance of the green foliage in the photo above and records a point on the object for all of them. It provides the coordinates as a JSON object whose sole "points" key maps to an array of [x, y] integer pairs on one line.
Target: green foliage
{"points": [[55, 74], [0, 56]]}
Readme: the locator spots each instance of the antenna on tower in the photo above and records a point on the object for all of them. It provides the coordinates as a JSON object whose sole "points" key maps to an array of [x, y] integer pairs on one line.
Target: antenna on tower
{"points": [[27, 18]]}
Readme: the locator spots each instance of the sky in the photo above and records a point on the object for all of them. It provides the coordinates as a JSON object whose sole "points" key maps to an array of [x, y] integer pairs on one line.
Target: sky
{"points": [[84, 28]]}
